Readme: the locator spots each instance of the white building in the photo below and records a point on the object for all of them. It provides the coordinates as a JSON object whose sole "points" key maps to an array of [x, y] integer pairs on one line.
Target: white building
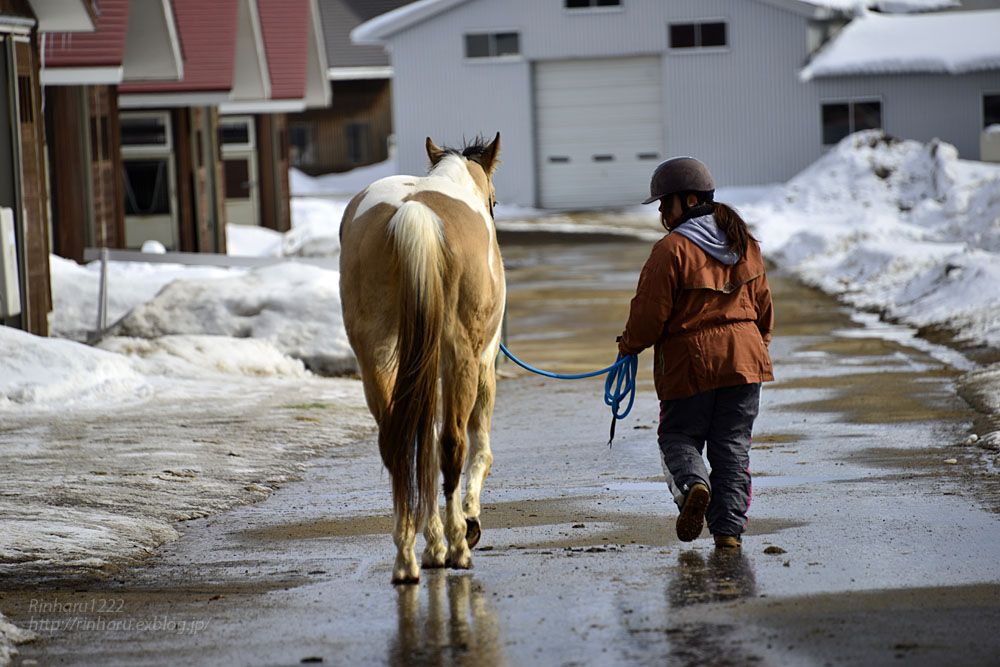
{"points": [[589, 95]]}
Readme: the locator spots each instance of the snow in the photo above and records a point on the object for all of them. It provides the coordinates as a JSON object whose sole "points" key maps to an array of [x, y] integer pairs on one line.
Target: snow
{"points": [[900, 227], [948, 42], [903, 230]]}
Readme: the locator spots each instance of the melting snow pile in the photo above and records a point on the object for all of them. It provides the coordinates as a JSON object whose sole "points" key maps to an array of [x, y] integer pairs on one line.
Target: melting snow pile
{"points": [[901, 227]]}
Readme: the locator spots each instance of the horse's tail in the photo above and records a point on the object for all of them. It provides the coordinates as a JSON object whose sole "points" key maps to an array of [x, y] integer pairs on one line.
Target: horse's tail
{"points": [[406, 433]]}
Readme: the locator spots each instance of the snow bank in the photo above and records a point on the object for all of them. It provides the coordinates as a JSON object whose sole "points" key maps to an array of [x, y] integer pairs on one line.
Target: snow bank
{"points": [[900, 227], [293, 307], [41, 372]]}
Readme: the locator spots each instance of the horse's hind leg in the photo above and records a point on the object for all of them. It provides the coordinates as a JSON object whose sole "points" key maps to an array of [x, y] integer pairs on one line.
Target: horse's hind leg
{"points": [[480, 455], [404, 534], [459, 395], [434, 552]]}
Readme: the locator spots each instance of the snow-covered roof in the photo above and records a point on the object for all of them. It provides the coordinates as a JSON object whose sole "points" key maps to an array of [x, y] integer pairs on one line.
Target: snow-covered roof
{"points": [[888, 6], [948, 42]]}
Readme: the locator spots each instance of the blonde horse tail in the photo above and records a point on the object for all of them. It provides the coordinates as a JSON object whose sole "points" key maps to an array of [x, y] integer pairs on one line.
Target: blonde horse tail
{"points": [[407, 432]]}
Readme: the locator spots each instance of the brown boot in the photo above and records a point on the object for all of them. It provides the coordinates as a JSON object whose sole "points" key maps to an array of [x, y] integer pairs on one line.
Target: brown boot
{"points": [[727, 542], [692, 516]]}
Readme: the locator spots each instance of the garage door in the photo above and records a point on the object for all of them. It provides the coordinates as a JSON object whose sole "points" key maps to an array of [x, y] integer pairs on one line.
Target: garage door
{"points": [[599, 130]]}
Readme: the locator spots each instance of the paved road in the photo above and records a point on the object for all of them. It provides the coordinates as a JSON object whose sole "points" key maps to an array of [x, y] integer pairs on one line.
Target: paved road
{"points": [[866, 545]]}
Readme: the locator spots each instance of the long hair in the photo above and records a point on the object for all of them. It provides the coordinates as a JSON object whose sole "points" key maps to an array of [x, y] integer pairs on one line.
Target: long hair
{"points": [[734, 226], [728, 219]]}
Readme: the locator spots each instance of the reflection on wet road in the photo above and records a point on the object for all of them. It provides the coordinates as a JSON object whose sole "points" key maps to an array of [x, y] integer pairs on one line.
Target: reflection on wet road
{"points": [[454, 626], [869, 541]]}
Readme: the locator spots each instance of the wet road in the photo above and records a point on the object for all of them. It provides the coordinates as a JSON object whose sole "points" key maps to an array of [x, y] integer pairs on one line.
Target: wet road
{"points": [[873, 537]]}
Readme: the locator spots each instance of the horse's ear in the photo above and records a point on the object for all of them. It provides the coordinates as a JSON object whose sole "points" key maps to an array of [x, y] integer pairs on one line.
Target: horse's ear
{"points": [[433, 152], [491, 156]]}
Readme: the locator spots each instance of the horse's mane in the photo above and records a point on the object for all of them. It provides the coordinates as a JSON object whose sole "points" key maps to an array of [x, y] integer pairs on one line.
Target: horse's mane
{"points": [[472, 149]]}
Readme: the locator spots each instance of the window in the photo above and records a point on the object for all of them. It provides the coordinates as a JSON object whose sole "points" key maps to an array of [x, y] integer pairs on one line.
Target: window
{"points": [[147, 186], [492, 44], [357, 134], [708, 34], [145, 129], [991, 110], [236, 132], [843, 118], [585, 4], [302, 140]]}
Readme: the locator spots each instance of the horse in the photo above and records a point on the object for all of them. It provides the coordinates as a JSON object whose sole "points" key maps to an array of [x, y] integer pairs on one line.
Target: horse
{"points": [[422, 289]]}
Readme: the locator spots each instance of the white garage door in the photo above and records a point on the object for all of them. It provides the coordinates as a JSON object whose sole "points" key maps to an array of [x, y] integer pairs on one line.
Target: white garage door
{"points": [[599, 130]]}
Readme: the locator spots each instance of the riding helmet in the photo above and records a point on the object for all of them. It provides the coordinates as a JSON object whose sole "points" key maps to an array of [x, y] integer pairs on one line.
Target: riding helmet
{"points": [[679, 174]]}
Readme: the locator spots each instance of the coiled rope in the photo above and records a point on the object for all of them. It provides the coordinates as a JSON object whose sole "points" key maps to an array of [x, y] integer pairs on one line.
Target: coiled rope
{"points": [[619, 383]]}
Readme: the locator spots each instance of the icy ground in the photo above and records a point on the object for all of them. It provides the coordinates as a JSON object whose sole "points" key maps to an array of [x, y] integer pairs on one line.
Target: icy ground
{"points": [[902, 229]]}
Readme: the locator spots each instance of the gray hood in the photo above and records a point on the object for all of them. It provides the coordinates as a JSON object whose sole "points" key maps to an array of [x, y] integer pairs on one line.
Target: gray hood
{"points": [[708, 236]]}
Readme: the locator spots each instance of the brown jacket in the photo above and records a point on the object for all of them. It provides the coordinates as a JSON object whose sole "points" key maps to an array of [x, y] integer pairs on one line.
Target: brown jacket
{"points": [[710, 322]]}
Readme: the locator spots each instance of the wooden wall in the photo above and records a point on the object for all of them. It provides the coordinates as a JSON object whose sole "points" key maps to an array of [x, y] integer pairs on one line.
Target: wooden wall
{"points": [[366, 102]]}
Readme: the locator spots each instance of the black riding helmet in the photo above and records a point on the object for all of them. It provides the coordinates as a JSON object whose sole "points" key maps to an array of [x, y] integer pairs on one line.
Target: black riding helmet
{"points": [[681, 174]]}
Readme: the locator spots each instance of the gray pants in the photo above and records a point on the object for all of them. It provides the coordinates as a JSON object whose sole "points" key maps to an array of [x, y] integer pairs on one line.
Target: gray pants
{"points": [[722, 419]]}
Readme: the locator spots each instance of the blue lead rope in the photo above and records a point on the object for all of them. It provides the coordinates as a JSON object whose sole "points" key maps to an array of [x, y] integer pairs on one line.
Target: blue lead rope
{"points": [[619, 383]]}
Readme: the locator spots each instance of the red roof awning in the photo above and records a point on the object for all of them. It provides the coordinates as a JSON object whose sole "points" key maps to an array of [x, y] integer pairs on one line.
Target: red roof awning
{"points": [[285, 26], [207, 33]]}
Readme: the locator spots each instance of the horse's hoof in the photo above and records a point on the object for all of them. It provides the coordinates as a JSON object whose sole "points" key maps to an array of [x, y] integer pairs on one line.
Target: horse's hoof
{"points": [[473, 531], [462, 563]]}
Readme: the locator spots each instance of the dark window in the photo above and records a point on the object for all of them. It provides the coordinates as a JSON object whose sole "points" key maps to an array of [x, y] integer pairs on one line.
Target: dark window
{"points": [[477, 46], [991, 110], [682, 36], [836, 122], [867, 116], [143, 130], [713, 34], [147, 187], [697, 35], [357, 135], [237, 178], [234, 133], [492, 44], [582, 4], [843, 118], [507, 44]]}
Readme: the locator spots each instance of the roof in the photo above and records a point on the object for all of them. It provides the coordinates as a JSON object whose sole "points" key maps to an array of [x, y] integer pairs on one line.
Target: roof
{"points": [[379, 28], [285, 28], [207, 32], [947, 42], [62, 15], [101, 48], [339, 18]]}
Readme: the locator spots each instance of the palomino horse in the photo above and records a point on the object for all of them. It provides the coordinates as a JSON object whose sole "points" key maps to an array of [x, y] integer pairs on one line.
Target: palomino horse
{"points": [[422, 286]]}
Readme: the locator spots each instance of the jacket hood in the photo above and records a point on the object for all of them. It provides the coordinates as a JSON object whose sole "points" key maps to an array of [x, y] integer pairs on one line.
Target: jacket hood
{"points": [[708, 236]]}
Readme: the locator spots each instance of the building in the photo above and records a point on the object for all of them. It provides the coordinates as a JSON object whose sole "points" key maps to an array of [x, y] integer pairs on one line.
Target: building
{"points": [[356, 128], [25, 293], [159, 120], [589, 95]]}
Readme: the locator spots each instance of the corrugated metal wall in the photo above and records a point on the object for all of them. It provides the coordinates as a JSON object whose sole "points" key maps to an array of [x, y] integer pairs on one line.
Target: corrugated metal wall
{"points": [[741, 109]]}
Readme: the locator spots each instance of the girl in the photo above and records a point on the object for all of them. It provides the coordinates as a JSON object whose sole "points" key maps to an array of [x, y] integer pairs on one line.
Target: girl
{"points": [[704, 303]]}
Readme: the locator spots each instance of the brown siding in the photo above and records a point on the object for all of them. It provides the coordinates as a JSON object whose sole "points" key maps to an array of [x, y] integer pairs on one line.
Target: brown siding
{"points": [[65, 114], [272, 159], [186, 197], [365, 103], [84, 169], [108, 189], [38, 292]]}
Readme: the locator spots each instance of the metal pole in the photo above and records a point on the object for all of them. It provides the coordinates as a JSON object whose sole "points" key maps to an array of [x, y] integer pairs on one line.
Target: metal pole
{"points": [[102, 299]]}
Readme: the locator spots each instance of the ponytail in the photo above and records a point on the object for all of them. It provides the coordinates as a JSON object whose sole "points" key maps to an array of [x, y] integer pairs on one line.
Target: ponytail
{"points": [[735, 228]]}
